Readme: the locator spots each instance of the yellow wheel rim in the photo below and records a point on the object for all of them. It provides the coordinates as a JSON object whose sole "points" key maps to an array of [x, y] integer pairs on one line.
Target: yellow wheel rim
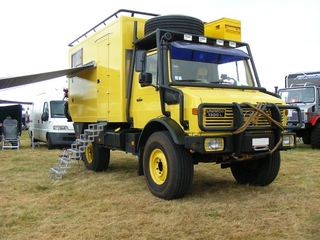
{"points": [[158, 166], [89, 153]]}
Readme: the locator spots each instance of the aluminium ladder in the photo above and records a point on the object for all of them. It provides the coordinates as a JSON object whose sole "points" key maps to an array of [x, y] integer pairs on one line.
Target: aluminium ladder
{"points": [[74, 154]]}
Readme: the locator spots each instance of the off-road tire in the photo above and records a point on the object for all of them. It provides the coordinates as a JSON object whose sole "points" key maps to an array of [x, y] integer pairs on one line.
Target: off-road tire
{"points": [[315, 137], [96, 157], [168, 167], [179, 23], [259, 172], [307, 139]]}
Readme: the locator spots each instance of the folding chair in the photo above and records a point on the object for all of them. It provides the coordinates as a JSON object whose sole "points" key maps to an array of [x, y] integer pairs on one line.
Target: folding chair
{"points": [[10, 138]]}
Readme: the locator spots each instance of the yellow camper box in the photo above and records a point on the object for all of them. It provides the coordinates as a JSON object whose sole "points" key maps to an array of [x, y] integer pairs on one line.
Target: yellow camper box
{"points": [[99, 94]]}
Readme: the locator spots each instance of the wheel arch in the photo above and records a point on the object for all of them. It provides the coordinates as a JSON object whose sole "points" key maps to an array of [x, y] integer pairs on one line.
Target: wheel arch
{"points": [[315, 120], [160, 124]]}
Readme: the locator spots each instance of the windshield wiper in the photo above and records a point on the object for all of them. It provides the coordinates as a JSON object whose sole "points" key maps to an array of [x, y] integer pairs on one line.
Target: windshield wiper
{"points": [[188, 80]]}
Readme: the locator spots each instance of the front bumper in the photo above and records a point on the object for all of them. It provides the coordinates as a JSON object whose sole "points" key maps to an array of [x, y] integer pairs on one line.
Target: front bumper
{"points": [[247, 144]]}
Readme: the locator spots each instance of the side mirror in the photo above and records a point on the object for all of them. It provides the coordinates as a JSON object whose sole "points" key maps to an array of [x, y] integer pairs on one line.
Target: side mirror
{"points": [[45, 116], [145, 79], [140, 60], [224, 76]]}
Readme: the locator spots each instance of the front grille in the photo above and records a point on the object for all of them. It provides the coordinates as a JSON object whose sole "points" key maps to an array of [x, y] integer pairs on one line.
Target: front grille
{"points": [[218, 121], [229, 117]]}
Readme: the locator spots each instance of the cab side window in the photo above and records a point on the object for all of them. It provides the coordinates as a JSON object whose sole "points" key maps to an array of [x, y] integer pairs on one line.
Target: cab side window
{"points": [[151, 67]]}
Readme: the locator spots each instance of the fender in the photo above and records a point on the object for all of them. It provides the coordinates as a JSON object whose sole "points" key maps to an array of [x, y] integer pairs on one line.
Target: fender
{"points": [[158, 124], [314, 120]]}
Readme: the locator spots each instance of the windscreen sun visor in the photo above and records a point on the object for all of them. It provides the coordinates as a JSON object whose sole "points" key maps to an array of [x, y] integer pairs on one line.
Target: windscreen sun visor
{"points": [[204, 53], [34, 78]]}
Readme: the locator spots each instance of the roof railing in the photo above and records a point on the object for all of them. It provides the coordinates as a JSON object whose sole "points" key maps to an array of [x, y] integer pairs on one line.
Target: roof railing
{"points": [[302, 84], [111, 16]]}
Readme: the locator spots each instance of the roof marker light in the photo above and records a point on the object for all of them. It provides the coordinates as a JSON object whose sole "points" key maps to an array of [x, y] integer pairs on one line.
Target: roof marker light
{"points": [[232, 44], [187, 37], [220, 42], [203, 39]]}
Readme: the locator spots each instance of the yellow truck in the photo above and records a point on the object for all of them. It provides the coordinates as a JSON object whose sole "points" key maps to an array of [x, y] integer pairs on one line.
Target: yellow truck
{"points": [[174, 91]]}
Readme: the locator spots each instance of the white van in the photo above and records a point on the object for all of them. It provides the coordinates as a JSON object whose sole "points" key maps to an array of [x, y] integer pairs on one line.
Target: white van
{"points": [[48, 122]]}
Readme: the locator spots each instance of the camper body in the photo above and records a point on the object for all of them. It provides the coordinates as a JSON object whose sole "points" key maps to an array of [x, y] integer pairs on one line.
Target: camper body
{"points": [[303, 90], [174, 92], [48, 122]]}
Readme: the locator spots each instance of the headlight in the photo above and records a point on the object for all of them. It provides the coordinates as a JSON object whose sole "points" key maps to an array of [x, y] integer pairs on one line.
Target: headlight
{"points": [[58, 127], [288, 140], [213, 144]]}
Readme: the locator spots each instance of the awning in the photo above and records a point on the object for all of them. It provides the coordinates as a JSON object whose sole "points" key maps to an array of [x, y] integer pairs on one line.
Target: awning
{"points": [[14, 102], [28, 79]]}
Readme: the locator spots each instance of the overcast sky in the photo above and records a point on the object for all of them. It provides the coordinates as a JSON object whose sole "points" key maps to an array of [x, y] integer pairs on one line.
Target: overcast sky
{"points": [[284, 35]]}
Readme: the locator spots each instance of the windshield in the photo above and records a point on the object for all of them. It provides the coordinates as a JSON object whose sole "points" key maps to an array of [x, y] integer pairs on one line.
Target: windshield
{"points": [[57, 109], [298, 95], [208, 64]]}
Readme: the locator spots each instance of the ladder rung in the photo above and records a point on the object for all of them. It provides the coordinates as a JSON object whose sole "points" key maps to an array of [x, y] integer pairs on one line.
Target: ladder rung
{"points": [[57, 170], [65, 159]]}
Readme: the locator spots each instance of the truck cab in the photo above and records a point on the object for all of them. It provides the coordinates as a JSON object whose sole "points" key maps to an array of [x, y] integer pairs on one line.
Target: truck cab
{"points": [[303, 90]]}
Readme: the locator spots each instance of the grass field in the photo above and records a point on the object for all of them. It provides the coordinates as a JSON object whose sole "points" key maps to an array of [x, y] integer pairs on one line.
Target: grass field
{"points": [[117, 204]]}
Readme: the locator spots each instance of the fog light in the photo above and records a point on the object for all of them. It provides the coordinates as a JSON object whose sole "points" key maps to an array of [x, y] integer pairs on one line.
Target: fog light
{"points": [[214, 144], [288, 140]]}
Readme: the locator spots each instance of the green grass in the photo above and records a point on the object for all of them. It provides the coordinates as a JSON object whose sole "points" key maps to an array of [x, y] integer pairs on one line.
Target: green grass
{"points": [[117, 204]]}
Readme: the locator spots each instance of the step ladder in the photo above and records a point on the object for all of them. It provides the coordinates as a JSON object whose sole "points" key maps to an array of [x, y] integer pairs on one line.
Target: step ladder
{"points": [[74, 154]]}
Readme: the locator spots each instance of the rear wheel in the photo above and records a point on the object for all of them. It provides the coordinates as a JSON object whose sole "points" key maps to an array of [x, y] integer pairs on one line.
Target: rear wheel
{"points": [[96, 157], [260, 172], [168, 167], [315, 137]]}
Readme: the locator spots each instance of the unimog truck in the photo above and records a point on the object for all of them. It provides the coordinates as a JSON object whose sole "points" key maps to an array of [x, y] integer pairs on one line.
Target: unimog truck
{"points": [[175, 91], [303, 90]]}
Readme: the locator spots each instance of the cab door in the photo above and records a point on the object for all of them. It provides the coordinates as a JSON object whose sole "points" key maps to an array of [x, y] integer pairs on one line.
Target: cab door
{"points": [[145, 101]]}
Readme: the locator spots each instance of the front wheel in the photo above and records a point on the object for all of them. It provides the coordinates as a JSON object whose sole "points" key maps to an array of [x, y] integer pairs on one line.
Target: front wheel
{"points": [[49, 142], [168, 167], [259, 172], [96, 157]]}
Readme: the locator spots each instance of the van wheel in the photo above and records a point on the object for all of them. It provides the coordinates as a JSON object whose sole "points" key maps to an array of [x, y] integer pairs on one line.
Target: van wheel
{"points": [[49, 142], [259, 172], [178, 23], [168, 167], [96, 157]]}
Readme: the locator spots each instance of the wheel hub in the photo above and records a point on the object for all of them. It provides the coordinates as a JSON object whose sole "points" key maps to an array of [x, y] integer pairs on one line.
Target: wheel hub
{"points": [[158, 166]]}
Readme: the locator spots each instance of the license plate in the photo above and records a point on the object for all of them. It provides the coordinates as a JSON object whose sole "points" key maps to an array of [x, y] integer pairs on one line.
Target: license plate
{"points": [[260, 142], [215, 112]]}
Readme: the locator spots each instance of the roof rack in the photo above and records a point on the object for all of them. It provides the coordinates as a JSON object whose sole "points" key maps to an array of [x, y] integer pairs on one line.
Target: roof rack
{"points": [[302, 84], [113, 15]]}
